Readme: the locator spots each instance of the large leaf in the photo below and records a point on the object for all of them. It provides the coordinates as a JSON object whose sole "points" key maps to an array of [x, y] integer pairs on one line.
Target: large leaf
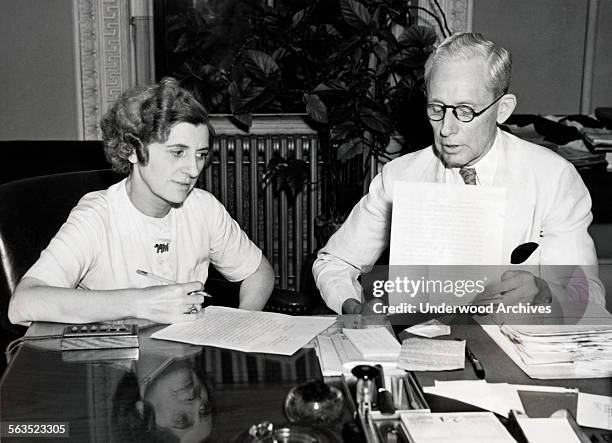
{"points": [[331, 86], [417, 36], [260, 65], [331, 30], [355, 15], [289, 175], [209, 82], [411, 58], [315, 108], [343, 130], [252, 99], [350, 149], [380, 49], [376, 120], [243, 120], [298, 17]]}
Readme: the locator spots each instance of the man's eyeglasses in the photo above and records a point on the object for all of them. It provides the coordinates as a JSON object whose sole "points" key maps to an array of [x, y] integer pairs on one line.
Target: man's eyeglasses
{"points": [[463, 113]]}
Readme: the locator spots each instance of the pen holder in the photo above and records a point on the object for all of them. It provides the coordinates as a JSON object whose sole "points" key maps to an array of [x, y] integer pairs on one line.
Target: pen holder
{"points": [[378, 427]]}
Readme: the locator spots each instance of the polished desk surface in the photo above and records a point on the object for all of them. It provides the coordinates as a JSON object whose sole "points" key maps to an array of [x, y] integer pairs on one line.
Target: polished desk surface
{"points": [[227, 391], [236, 389]]}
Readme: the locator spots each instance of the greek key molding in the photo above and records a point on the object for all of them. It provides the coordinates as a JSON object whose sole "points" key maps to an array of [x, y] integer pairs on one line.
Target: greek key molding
{"points": [[104, 58]]}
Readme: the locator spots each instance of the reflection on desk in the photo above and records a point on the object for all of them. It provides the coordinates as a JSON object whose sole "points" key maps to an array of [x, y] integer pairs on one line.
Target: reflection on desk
{"points": [[172, 392]]}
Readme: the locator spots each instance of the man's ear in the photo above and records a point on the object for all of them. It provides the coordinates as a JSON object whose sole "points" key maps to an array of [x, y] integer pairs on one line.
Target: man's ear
{"points": [[506, 107]]}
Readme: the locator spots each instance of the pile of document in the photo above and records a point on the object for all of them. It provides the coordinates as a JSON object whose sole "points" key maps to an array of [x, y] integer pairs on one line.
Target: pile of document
{"points": [[597, 139], [340, 351], [540, 344], [557, 351]]}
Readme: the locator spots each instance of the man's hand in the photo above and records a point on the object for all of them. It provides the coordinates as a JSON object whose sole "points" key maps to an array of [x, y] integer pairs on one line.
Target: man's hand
{"points": [[353, 306], [171, 303], [517, 287]]}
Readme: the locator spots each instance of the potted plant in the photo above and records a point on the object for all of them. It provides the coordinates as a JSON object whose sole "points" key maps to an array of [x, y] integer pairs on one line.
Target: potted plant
{"points": [[354, 66]]}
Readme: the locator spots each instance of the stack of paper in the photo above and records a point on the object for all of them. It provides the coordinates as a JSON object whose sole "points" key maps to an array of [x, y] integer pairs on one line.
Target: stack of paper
{"points": [[374, 343], [558, 351], [597, 139], [338, 354], [542, 344]]}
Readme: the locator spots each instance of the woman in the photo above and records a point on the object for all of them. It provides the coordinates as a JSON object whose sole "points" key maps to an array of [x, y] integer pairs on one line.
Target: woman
{"points": [[153, 221]]}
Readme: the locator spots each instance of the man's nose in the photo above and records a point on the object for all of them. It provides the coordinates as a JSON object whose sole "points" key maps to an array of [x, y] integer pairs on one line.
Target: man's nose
{"points": [[449, 123]]}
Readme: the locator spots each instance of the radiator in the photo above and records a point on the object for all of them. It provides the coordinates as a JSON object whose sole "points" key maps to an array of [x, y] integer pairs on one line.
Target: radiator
{"points": [[284, 230]]}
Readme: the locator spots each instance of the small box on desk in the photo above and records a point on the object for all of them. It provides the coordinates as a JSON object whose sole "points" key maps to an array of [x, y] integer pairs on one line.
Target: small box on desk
{"points": [[99, 336]]}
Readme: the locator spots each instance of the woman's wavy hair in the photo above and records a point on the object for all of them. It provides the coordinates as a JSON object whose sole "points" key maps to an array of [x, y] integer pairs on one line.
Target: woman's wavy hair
{"points": [[145, 115]]}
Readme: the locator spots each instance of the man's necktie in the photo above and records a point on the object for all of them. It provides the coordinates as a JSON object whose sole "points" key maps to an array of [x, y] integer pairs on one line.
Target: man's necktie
{"points": [[468, 175]]}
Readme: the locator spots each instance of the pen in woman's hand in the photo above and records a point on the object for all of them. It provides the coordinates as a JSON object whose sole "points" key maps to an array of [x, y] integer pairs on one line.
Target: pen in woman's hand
{"points": [[165, 280]]}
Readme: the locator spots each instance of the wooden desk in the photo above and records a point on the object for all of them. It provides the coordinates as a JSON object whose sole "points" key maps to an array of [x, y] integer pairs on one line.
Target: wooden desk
{"points": [[42, 385]]}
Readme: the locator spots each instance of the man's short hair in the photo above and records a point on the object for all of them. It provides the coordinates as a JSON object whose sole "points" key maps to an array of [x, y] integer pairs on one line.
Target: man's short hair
{"points": [[468, 45], [145, 115]]}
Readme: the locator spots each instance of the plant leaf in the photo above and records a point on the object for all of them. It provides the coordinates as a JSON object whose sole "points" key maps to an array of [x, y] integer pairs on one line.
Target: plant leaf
{"points": [[416, 35], [350, 149], [332, 85], [375, 120], [331, 30], [343, 130], [316, 108], [244, 120], [260, 65], [355, 14], [380, 49], [298, 17]]}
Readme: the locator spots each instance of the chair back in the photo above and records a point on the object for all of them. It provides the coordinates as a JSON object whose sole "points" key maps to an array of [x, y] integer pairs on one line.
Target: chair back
{"points": [[31, 212]]}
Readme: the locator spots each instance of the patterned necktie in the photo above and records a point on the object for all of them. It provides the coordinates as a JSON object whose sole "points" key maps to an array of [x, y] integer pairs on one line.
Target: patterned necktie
{"points": [[468, 175]]}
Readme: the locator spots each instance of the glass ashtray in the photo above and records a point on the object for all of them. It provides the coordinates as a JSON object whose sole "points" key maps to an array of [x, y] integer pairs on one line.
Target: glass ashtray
{"points": [[314, 403], [266, 432]]}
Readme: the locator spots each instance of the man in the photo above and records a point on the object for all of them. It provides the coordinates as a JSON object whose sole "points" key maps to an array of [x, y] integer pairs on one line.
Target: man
{"points": [[152, 221], [467, 80]]}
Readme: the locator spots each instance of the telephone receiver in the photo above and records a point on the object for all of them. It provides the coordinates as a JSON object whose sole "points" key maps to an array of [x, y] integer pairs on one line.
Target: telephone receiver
{"points": [[522, 252]]}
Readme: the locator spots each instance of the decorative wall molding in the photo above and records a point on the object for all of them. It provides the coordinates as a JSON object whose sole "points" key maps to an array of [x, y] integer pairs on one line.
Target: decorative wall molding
{"points": [[103, 57], [458, 14]]}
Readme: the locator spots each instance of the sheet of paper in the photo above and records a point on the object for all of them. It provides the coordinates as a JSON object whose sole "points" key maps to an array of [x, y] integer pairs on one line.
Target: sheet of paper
{"points": [[439, 224], [430, 329], [330, 362], [545, 430], [374, 343], [455, 427], [594, 411], [424, 354], [247, 331], [495, 397]]}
